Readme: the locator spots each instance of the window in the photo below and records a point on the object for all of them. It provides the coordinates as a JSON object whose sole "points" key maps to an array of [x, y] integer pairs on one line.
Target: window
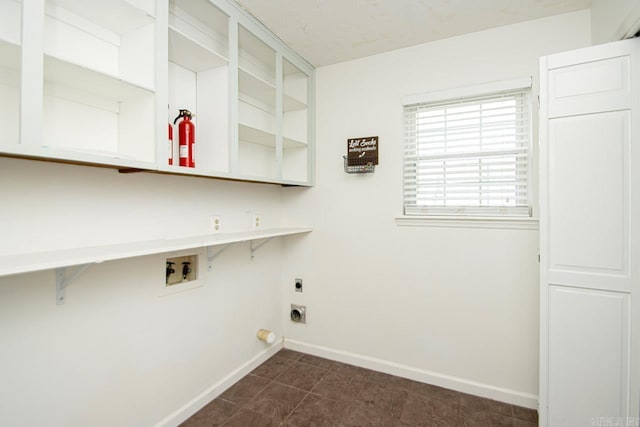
{"points": [[468, 155]]}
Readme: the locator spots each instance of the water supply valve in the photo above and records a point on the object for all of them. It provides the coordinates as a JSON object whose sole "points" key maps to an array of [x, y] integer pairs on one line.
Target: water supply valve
{"points": [[186, 269], [170, 270]]}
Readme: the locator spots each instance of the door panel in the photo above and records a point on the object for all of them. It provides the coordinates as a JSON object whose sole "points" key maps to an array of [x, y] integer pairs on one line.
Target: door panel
{"points": [[588, 356], [596, 86], [589, 203]]}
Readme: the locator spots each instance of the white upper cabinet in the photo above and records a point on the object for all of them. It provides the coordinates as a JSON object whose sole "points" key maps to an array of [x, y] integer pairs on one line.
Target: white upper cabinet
{"points": [[599, 82], [101, 82]]}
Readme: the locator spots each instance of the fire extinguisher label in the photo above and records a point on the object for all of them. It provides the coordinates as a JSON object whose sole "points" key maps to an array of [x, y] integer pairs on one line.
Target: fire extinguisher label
{"points": [[184, 151], [170, 150]]}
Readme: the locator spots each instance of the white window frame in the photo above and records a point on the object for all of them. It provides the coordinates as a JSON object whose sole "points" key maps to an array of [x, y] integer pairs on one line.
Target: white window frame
{"points": [[495, 217]]}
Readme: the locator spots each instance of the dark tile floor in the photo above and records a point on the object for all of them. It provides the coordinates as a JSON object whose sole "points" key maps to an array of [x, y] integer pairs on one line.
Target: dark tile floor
{"points": [[298, 390]]}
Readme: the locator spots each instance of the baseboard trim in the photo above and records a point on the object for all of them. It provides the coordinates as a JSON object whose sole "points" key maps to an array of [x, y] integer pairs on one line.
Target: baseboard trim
{"points": [[179, 416], [454, 383]]}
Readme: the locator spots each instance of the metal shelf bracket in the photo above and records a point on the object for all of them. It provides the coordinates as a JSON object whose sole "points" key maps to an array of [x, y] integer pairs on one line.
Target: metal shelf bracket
{"points": [[254, 248], [211, 255], [62, 281]]}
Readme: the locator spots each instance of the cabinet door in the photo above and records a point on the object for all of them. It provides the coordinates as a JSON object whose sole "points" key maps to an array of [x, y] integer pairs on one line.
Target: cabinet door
{"points": [[590, 264], [588, 356], [589, 200], [589, 80]]}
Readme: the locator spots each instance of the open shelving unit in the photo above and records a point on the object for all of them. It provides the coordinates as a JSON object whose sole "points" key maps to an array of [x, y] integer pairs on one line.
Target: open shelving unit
{"points": [[88, 81]]}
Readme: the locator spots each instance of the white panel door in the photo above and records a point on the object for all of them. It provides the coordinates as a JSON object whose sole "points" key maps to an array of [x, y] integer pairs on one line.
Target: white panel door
{"points": [[589, 200], [588, 356], [589, 243]]}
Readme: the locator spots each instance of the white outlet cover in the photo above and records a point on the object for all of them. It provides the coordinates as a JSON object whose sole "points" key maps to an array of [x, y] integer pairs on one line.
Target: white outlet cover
{"points": [[216, 224], [255, 221]]}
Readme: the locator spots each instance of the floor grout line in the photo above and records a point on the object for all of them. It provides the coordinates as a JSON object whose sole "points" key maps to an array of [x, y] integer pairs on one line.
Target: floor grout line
{"points": [[337, 368]]}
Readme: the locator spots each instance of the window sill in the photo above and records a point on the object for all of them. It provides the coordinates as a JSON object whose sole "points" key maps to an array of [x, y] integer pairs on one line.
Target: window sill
{"points": [[459, 221]]}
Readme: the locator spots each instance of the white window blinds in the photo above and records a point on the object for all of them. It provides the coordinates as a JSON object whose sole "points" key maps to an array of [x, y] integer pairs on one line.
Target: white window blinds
{"points": [[468, 156]]}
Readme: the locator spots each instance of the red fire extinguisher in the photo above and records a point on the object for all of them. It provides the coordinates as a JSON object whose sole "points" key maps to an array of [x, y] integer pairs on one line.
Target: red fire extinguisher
{"points": [[170, 145], [187, 139]]}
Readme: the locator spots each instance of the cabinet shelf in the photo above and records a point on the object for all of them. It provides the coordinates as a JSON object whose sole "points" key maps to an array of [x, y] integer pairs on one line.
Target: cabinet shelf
{"points": [[256, 87], [84, 79], [9, 55], [203, 22], [293, 143], [191, 54], [117, 16], [38, 261], [10, 21], [256, 136], [111, 117], [292, 104]]}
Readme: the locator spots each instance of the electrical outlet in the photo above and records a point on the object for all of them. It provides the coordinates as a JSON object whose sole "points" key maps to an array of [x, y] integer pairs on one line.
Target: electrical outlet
{"points": [[255, 221], [298, 285], [216, 225]]}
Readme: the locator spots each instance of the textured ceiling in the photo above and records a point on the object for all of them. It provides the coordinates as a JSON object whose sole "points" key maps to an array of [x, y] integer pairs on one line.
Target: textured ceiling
{"points": [[330, 31]]}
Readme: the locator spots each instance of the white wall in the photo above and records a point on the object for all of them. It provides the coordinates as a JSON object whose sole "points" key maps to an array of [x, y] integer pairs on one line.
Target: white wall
{"points": [[611, 20], [118, 353], [454, 306]]}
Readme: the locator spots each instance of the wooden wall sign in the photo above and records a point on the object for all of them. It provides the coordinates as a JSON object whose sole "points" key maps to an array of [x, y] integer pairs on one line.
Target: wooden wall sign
{"points": [[362, 151]]}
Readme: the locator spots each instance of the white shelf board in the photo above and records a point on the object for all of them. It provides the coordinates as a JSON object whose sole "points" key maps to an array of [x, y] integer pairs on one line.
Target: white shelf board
{"points": [[188, 53], [38, 261], [201, 14], [118, 16], [82, 78], [292, 104], [256, 136], [256, 87], [183, 170], [75, 156], [293, 143], [9, 55], [251, 134], [254, 51]]}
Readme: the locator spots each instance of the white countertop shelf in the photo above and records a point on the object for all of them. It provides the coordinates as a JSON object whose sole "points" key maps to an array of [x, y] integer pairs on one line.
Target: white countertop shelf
{"points": [[37, 261]]}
